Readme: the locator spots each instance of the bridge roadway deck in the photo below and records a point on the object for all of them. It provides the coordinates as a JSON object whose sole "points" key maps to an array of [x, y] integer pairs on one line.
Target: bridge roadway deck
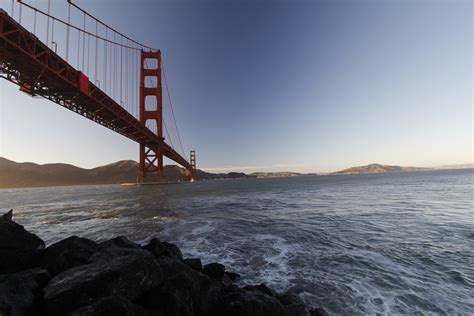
{"points": [[29, 63]]}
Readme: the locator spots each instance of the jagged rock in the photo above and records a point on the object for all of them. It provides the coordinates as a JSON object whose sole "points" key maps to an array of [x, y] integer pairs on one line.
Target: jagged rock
{"points": [[226, 281], [7, 217], [292, 304], [172, 251], [318, 312], [232, 276], [214, 270], [260, 287], [114, 248], [111, 305], [19, 249], [184, 291], [194, 263], [120, 242], [19, 291], [237, 302], [68, 253], [128, 276], [155, 247]]}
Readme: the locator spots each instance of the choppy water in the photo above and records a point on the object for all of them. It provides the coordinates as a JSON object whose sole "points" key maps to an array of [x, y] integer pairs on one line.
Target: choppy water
{"points": [[400, 243]]}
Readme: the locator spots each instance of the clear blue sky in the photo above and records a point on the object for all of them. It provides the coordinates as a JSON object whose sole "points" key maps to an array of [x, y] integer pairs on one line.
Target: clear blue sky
{"points": [[281, 85]]}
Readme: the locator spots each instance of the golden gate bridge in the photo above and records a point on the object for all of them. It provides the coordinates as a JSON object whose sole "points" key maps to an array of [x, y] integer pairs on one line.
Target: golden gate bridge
{"points": [[92, 69]]}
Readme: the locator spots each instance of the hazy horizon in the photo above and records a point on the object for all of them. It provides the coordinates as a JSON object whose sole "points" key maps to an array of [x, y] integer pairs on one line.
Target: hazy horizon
{"points": [[281, 86], [252, 169]]}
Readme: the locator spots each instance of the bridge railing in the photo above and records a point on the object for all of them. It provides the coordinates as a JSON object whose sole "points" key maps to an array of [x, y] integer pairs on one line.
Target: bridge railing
{"points": [[109, 58]]}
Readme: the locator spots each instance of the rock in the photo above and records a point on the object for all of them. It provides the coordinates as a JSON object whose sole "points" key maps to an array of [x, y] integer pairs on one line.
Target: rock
{"points": [[68, 253], [7, 217], [19, 249], [233, 276], [19, 292], [111, 305], [120, 242], [194, 263], [226, 281], [116, 247], [184, 291], [260, 287], [237, 302], [292, 304], [155, 247], [214, 270], [318, 312], [172, 251], [128, 276]]}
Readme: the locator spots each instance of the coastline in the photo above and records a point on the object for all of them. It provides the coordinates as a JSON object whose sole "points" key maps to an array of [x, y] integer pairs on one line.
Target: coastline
{"points": [[78, 276]]}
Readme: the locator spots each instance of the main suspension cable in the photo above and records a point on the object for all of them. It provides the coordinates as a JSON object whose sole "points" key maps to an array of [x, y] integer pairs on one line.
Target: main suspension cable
{"points": [[171, 105]]}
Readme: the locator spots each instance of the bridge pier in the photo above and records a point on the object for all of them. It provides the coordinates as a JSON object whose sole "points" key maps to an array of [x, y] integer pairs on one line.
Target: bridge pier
{"points": [[151, 115]]}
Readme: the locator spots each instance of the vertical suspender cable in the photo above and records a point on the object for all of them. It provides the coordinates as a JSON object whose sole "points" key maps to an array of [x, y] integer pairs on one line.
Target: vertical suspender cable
{"points": [[19, 19], [47, 24], [133, 80], [13, 8], [78, 49], [88, 52], [105, 61], [67, 30], [111, 79], [84, 43], [34, 24], [121, 72], [115, 65], [96, 48], [52, 34], [127, 82]]}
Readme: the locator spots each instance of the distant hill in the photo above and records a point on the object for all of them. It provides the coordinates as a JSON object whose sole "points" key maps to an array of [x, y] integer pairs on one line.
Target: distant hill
{"points": [[275, 174], [27, 174], [377, 168]]}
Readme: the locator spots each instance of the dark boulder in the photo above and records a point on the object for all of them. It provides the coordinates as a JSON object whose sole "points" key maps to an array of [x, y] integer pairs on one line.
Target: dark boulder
{"points": [[194, 263], [233, 276], [156, 247], [184, 291], [111, 305], [318, 312], [116, 247], [128, 276], [214, 270], [68, 253], [19, 249], [120, 242], [237, 302], [292, 304], [172, 251], [260, 287], [19, 292]]}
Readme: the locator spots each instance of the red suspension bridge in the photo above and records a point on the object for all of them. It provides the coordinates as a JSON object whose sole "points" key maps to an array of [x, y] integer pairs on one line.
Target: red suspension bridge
{"points": [[93, 70]]}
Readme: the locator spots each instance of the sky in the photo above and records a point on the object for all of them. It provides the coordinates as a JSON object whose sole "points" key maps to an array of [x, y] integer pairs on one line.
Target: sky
{"points": [[308, 86]]}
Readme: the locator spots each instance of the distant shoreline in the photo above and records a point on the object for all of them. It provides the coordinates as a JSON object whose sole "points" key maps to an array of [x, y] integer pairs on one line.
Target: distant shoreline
{"points": [[237, 178]]}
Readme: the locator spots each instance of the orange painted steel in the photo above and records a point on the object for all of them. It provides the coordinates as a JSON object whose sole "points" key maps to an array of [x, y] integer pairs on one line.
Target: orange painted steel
{"points": [[151, 155], [29, 63]]}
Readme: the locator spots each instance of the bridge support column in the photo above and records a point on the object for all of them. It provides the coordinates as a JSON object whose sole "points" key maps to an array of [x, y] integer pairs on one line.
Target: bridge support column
{"points": [[151, 115]]}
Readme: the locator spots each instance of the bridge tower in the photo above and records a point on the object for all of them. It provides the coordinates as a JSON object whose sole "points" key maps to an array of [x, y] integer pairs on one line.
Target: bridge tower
{"points": [[151, 110]]}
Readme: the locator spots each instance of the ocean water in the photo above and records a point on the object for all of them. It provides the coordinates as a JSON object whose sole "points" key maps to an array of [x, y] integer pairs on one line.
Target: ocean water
{"points": [[399, 243]]}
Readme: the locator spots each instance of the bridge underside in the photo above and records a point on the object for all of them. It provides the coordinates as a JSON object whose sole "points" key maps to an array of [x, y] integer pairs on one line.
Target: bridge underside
{"points": [[27, 62]]}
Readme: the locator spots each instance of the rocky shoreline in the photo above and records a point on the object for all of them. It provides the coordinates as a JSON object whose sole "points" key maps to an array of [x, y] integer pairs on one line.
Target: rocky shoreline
{"points": [[77, 276]]}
